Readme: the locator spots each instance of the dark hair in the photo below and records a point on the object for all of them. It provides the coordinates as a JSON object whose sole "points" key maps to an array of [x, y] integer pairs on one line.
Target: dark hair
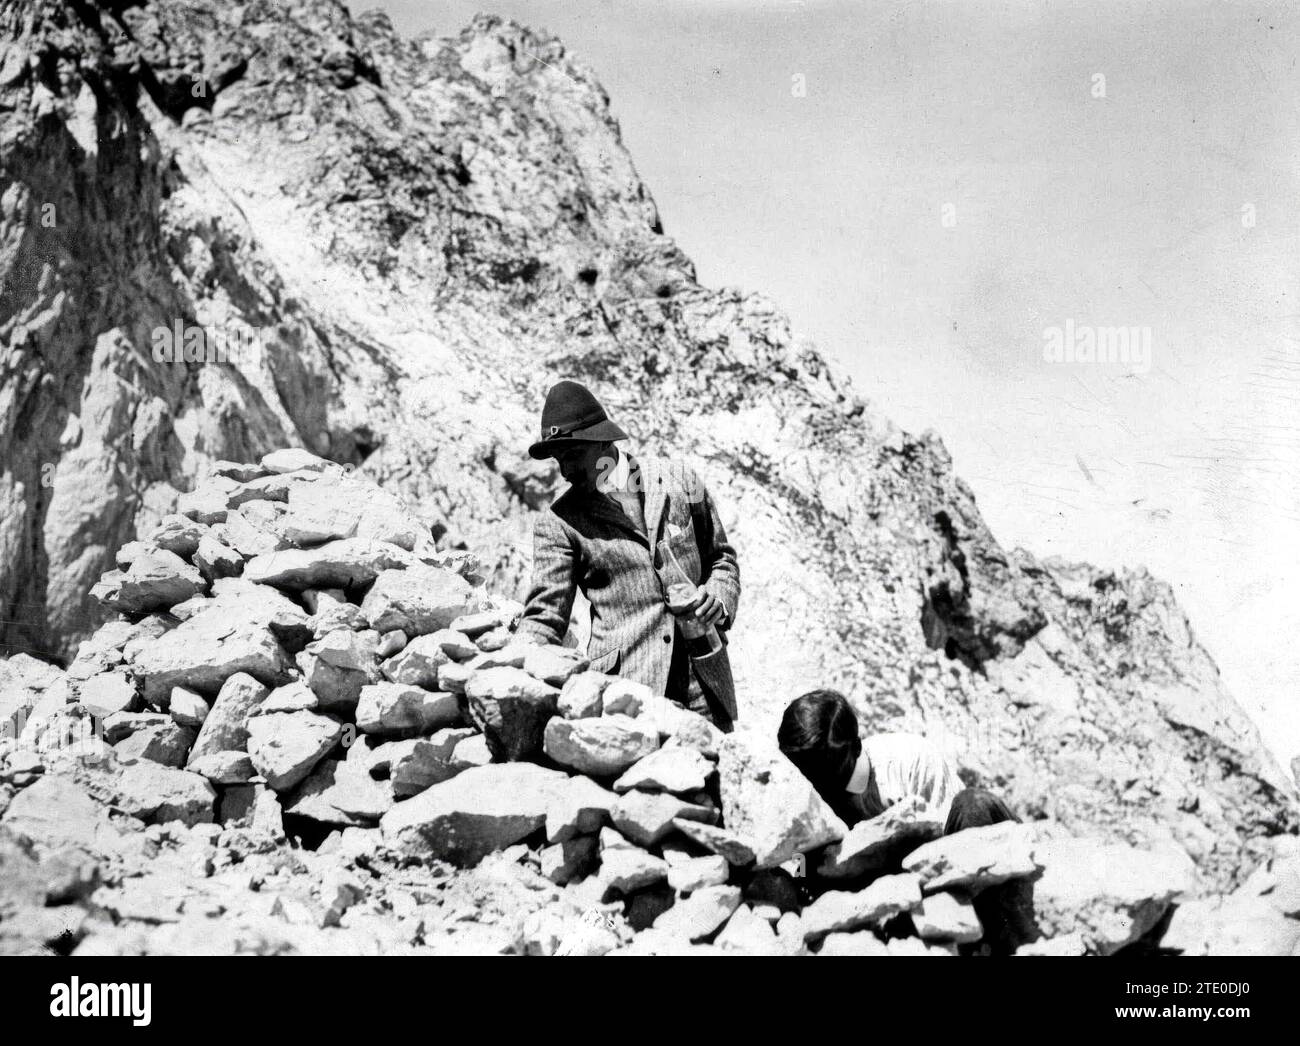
{"points": [[819, 734]]}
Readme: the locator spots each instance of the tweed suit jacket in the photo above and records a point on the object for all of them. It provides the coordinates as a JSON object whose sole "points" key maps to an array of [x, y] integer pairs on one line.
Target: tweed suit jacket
{"points": [[586, 542]]}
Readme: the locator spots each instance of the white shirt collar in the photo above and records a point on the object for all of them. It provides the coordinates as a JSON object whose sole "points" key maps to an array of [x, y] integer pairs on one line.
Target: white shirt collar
{"points": [[616, 480], [861, 776]]}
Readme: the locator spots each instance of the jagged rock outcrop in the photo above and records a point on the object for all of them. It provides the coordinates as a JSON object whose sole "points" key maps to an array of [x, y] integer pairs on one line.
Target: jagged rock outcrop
{"points": [[383, 251]]}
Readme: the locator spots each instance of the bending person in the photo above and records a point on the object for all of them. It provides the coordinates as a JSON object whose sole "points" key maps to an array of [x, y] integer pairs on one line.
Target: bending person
{"points": [[860, 779]]}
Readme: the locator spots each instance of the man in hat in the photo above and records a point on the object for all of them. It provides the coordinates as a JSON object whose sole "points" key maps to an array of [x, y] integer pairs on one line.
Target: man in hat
{"points": [[606, 535]]}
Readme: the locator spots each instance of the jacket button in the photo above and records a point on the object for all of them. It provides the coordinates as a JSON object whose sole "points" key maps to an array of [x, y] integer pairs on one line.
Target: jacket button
{"points": [[668, 639]]}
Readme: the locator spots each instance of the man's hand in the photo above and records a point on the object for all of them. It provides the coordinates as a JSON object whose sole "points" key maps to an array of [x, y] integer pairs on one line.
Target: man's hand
{"points": [[708, 608]]}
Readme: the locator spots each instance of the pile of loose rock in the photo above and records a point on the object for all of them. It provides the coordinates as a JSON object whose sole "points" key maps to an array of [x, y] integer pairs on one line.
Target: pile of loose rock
{"points": [[310, 729]]}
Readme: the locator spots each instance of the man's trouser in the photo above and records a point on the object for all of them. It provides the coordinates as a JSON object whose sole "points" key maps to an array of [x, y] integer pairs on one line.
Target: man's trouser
{"points": [[1004, 910]]}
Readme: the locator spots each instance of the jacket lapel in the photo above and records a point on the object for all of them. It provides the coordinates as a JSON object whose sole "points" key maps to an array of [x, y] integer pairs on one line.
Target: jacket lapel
{"points": [[656, 495], [597, 506]]}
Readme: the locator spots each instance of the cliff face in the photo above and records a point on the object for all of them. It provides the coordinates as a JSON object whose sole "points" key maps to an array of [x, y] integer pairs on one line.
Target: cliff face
{"points": [[422, 236]]}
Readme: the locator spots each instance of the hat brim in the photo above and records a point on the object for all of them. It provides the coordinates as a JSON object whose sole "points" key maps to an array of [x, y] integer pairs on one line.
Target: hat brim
{"points": [[601, 432]]}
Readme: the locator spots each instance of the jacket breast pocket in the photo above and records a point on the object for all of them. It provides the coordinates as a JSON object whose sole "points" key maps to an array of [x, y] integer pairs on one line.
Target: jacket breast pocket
{"points": [[680, 540], [606, 661]]}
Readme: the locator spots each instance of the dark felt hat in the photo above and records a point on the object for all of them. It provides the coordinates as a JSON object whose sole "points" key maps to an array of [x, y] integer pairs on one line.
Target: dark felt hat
{"points": [[571, 413]]}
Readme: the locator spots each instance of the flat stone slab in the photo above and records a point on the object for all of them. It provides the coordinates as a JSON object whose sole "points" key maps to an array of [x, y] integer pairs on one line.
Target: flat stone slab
{"points": [[976, 858], [839, 910], [676, 770], [398, 709], [479, 811], [879, 844], [336, 564]]}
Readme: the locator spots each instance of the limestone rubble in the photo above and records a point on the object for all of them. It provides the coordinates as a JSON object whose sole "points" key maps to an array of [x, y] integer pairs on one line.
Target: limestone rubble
{"points": [[261, 805]]}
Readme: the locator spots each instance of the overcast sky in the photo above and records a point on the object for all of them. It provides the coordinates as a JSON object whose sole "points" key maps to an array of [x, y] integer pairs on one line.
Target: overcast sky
{"points": [[955, 179]]}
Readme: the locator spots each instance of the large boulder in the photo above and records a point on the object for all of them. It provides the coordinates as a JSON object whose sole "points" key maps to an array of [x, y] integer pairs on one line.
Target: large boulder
{"points": [[946, 916], [1233, 925], [695, 873], [419, 600], [476, 624], [454, 677], [416, 664], [975, 858], [505, 654], [674, 721], [554, 664], [262, 606], [224, 768], [345, 648], [178, 535], [472, 751], [878, 844], [216, 560], [279, 462], [108, 693], [336, 564], [571, 859], [347, 508], [285, 746], [187, 708], [648, 817], [512, 709], [456, 645], [719, 841], [475, 813], [580, 697], [166, 742], [292, 697], [603, 747], [274, 487], [626, 697], [121, 725], [159, 794], [1109, 893], [341, 793], [156, 580], [55, 813], [748, 934], [768, 803], [333, 611], [226, 727], [205, 651], [583, 808], [676, 770], [838, 910], [1278, 881], [694, 731], [249, 533], [338, 665], [701, 914], [416, 764], [624, 867], [395, 709]]}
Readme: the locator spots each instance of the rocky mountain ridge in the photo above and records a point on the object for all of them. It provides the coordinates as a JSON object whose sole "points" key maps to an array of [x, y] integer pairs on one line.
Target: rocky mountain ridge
{"points": [[423, 235]]}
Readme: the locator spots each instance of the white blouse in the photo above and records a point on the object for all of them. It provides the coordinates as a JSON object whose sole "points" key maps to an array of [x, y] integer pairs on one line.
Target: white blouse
{"points": [[894, 766]]}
